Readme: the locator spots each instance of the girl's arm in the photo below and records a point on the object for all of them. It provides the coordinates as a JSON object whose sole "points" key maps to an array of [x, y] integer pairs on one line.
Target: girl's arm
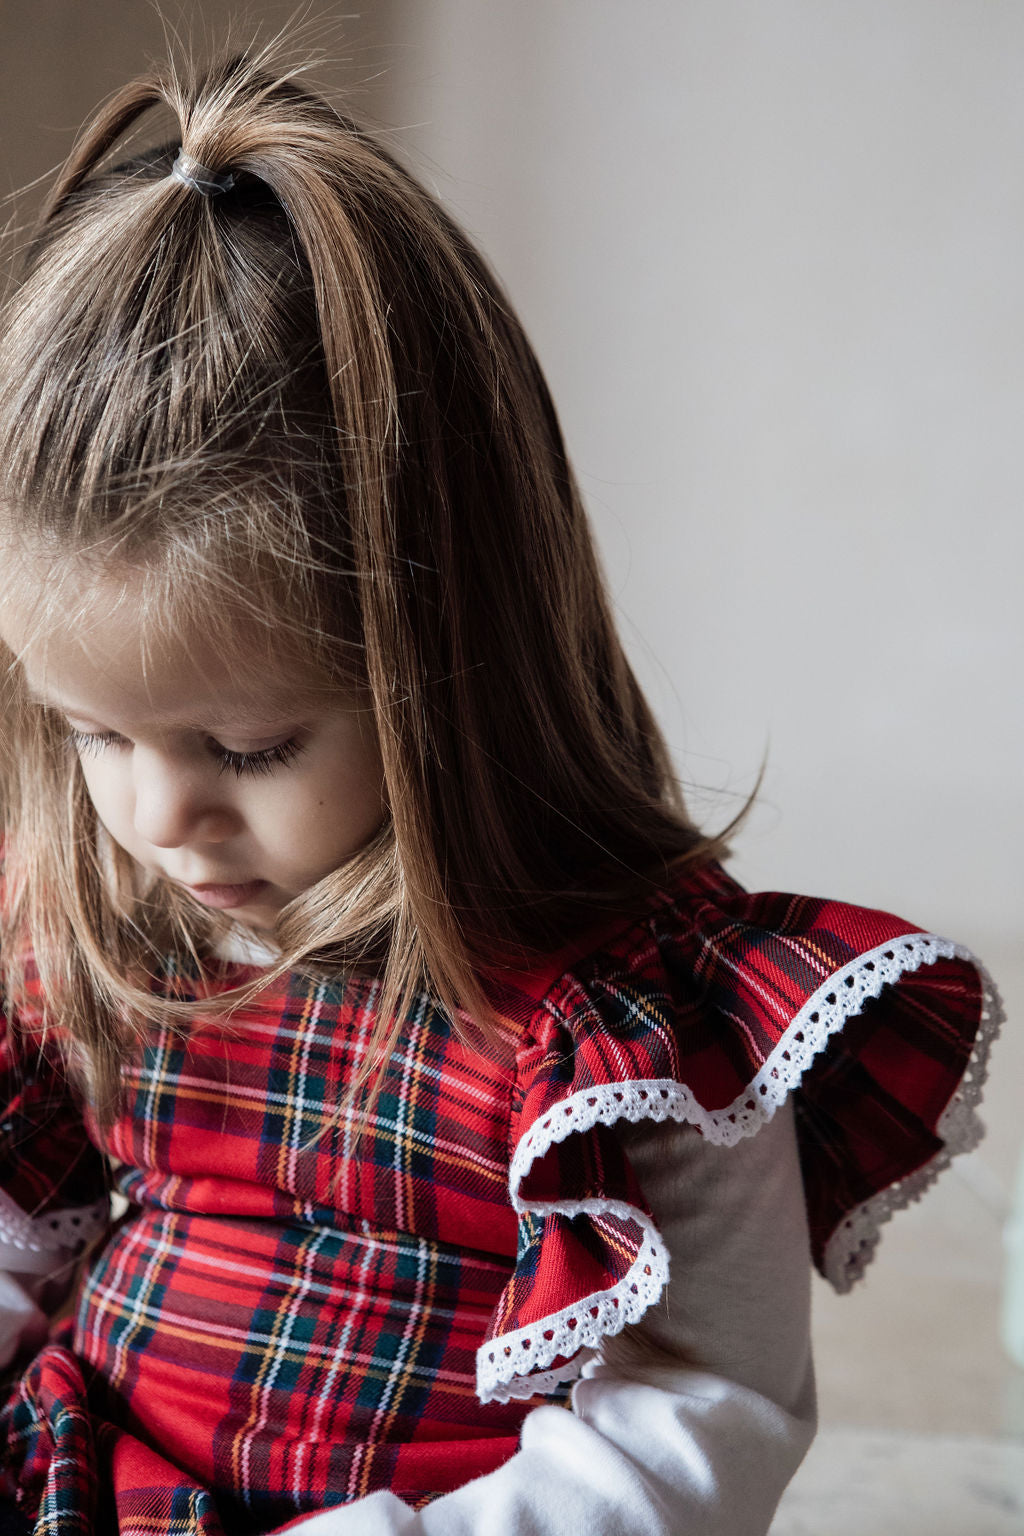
{"points": [[692, 1422]]}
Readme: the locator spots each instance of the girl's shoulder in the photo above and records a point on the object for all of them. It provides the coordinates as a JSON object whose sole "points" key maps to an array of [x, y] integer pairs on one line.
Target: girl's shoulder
{"points": [[711, 1005], [702, 941]]}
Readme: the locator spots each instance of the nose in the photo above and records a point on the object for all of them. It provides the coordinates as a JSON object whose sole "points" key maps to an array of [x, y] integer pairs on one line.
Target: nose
{"points": [[178, 803]]}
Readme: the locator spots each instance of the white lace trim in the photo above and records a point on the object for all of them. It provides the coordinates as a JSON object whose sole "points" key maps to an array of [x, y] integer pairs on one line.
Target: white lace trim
{"points": [[502, 1363], [54, 1231], [852, 1245]]}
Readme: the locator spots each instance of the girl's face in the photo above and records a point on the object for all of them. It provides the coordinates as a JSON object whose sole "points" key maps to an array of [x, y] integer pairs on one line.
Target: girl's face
{"points": [[245, 799]]}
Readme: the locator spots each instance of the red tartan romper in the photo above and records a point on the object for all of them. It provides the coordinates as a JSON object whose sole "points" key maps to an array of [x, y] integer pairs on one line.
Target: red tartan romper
{"points": [[284, 1321]]}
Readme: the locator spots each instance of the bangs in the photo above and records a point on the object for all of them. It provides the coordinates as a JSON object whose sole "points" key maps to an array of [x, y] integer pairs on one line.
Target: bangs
{"points": [[215, 585]]}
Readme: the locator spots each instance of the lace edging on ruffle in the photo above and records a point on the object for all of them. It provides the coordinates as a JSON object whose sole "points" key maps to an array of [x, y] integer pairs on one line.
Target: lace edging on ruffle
{"points": [[52, 1232], [504, 1363], [852, 1245]]}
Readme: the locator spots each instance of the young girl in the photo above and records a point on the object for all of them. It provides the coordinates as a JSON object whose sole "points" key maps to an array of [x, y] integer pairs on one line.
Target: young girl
{"points": [[352, 922]]}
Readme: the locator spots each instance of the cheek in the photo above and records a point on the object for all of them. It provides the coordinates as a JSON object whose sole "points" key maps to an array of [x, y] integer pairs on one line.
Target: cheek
{"points": [[340, 807], [360, 790], [109, 793]]}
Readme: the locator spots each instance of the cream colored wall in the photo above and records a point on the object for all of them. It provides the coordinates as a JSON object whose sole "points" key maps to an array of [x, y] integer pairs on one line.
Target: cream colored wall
{"points": [[770, 257]]}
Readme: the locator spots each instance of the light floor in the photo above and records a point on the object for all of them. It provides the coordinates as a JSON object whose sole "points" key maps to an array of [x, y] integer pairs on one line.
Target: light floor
{"points": [[863, 1482], [921, 1409]]}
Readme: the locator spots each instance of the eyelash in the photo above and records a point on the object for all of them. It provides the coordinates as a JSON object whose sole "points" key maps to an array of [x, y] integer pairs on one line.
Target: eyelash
{"points": [[256, 763]]}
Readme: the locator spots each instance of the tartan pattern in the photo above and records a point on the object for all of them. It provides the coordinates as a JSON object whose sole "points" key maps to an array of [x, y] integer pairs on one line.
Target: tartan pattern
{"points": [[689, 1006], [286, 1321]]}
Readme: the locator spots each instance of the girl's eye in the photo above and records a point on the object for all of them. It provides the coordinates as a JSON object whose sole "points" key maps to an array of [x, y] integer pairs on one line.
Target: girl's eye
{"points": [[85, 742], [263, 761]]}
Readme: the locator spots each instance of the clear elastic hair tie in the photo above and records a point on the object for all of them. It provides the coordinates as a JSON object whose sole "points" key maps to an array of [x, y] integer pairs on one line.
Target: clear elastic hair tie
{"points": [[199, 177]]}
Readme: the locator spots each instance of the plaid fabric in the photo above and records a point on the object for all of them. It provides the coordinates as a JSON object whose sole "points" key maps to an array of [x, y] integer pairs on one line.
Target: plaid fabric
{"points": [[286, 1321]]}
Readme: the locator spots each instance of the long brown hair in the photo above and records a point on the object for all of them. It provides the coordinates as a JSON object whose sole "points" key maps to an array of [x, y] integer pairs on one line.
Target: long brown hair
{"points": [[304, 408]]}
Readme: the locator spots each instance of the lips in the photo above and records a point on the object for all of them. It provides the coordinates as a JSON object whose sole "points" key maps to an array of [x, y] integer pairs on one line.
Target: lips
{"points": [[227, 896]]}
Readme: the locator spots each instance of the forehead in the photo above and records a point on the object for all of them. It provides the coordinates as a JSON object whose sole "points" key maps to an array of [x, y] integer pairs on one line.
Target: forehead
{"points": [[97, 647]]}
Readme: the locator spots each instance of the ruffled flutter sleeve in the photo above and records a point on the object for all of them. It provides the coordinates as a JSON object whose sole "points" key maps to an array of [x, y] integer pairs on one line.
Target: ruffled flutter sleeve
{"points": [[53, 1183], [712, 1011]]}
